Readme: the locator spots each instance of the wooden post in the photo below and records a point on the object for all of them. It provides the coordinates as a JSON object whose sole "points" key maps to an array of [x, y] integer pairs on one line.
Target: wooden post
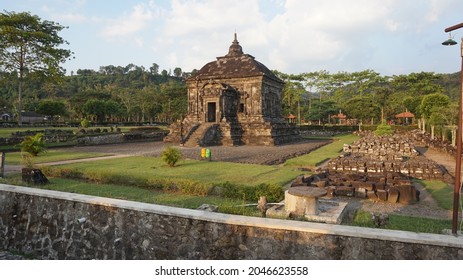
{"points": [[2, 164]]}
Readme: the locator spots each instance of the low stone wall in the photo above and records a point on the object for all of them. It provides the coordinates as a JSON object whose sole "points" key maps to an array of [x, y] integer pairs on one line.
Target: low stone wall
{"points": [[120, 138], [55, 225]]}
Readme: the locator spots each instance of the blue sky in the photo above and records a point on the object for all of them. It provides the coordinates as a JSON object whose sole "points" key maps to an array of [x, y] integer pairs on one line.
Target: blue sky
{"points": [[293, 36]]}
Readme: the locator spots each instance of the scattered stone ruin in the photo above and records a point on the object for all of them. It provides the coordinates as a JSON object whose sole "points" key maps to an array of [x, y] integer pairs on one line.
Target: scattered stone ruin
{"points": [[376, 168], [424, 139], [234, 100], [392, 187], [388, 154]]}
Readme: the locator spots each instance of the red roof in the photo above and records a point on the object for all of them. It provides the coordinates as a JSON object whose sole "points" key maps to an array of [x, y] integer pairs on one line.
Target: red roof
{"points": [[291, 116], [339, 116], [405, 115]]}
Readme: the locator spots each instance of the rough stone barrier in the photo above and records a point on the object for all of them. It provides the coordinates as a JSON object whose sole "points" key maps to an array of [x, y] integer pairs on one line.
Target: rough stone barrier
{"points": [[55, 225]]}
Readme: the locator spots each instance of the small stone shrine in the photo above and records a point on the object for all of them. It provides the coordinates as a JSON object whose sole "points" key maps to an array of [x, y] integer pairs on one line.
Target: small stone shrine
{"points": [[234, 100]]}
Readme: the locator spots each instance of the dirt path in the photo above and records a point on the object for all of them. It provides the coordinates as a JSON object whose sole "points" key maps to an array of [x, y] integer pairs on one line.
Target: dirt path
{"points": [[267, 155]]}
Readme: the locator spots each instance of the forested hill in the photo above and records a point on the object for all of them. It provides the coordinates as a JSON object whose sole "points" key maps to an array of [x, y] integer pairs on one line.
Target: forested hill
{"points": [[114, 93], [134, 94]]}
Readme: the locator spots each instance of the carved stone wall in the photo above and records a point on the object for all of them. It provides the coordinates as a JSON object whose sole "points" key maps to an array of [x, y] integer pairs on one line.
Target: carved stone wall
{"points": [[239, 94]]}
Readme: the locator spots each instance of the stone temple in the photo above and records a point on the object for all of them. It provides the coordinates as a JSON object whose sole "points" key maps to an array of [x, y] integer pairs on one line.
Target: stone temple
{"points": [[234, 100]]}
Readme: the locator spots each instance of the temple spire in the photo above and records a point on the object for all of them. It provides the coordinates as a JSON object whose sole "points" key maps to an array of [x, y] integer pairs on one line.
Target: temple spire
{"points": [[235, 48]]}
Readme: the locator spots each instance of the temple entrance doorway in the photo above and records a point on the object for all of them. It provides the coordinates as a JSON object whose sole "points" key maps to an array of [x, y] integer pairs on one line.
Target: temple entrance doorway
{"points": [[211, 112]]}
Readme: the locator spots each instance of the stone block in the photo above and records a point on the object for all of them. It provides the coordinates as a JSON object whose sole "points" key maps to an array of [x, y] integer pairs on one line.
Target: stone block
{"points": [[299, 180], [407, 194], [380, 186], [344, 191], [382, 195], [320, 184], [393, 195], [330, 191], [360, 192], [372, 195]]}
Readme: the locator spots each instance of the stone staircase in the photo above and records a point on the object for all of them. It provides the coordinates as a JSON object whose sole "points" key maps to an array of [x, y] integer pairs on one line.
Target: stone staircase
{"points": [[195, 138]]}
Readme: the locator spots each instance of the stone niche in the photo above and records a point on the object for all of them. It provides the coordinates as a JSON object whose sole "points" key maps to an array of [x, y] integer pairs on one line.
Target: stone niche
{"points": [[234, 100]]}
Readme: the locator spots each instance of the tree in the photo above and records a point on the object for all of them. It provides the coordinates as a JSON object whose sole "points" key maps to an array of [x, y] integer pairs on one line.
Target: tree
{"points": [[52, 108], [430, 104], [28, 45], [95, 108], [321, 110], [154, 69], [362, 108], [178, 72]]}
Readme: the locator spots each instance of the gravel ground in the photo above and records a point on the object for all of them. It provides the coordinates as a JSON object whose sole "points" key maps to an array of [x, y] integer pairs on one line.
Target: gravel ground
{"points": [[243, 154]]}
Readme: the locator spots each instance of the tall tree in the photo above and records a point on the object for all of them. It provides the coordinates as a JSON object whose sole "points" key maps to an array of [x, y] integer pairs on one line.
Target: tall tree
{"points": [[52, 108], [429, 104], [27, 45]]}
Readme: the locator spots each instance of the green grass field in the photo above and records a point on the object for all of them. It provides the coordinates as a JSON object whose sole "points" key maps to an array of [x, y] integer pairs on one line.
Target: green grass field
{"points": [[399, 222], [324, 153], [145, 168], [142, 195], [440, 191], [14, 158]]}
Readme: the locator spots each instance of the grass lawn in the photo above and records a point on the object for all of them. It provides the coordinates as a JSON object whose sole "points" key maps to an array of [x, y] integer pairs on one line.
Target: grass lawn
{"points": [[14, 158], [141, 169], [440, 191], [399, 222], [142, 195], [324, 153]]}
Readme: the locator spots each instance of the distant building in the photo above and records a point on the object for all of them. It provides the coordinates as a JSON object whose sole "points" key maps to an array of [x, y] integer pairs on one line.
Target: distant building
{"points": [[234, 100], [6, 117], [31, 117]]}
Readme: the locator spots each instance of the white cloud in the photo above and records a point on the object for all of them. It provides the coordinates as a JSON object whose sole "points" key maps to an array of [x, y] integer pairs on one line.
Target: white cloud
{"points": [[130, 24], [71, 18]]}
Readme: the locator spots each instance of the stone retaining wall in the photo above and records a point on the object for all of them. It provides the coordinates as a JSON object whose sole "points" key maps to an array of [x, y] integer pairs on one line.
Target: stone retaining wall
{"points": [[55, 225], [120, 138]]}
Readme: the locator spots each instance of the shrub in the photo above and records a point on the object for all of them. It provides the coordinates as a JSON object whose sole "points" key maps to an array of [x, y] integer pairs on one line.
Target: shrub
{"points": [[384, 130], [85, 123], [171, 156], [34, 145], [273, 192]]}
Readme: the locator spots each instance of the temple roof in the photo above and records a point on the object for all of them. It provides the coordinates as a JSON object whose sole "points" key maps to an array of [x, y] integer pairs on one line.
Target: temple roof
{"points": [[235, 64]]}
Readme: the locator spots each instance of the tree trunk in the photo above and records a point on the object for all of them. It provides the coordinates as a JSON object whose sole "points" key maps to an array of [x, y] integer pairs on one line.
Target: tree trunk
{"points": [[432, 132]]}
